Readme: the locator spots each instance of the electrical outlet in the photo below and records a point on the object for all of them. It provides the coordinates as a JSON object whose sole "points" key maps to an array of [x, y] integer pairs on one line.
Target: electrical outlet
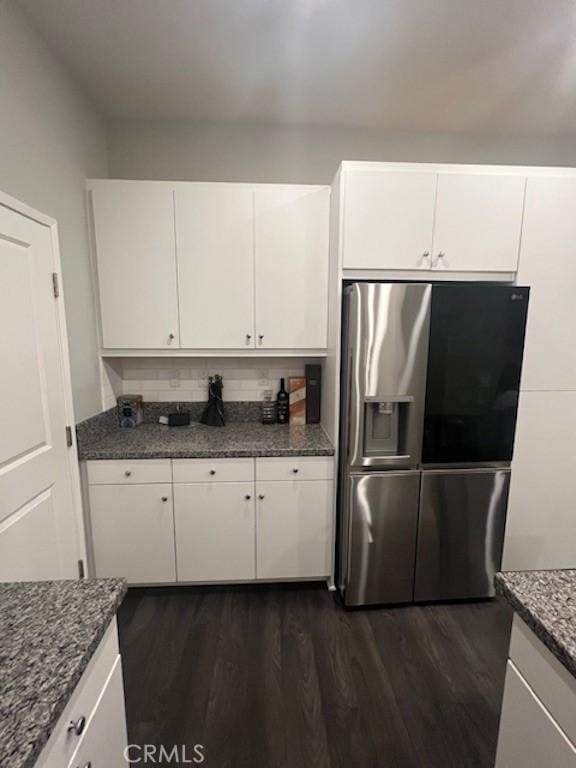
{"points": [[175, 379], [264, 378]]}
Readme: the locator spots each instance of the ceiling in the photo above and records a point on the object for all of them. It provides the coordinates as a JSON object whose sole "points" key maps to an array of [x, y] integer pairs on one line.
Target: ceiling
{"points": [[482, 66]]}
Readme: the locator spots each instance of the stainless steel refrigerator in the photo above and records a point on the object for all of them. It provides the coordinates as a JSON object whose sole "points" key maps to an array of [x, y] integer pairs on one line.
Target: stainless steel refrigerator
{"points": [[430, 382]]}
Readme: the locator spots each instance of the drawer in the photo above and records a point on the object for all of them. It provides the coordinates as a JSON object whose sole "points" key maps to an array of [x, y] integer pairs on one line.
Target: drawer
{"points": [[127, 472], [216, 470], [63, 743], [296, 468]]}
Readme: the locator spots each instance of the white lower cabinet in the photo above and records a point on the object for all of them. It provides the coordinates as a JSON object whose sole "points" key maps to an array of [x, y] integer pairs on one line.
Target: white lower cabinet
{"points": [[537, 726], [529, 737], [105, 741], [97, 709], [133, 532], [214, 525], [293, 529], [219, 520]]}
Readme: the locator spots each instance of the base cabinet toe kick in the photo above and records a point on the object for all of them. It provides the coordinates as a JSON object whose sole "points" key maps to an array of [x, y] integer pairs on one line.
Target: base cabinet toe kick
{"points": [[195, 521]]}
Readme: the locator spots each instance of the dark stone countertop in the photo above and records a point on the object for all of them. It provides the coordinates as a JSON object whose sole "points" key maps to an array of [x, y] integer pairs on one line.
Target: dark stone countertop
{"points": [[197, 441], [546, 601], [49, 631]]}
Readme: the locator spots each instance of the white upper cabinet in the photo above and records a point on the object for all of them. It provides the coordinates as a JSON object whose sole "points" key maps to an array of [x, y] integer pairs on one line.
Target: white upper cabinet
{"points": [[215, 254], [388, 219], [548, 266], [478, 222], [136, 263], [202, 266], [417, 219], [291, 247]]}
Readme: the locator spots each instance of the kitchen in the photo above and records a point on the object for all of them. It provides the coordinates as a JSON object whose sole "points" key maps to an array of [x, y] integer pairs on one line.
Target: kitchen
{"points": [[246, 543]]}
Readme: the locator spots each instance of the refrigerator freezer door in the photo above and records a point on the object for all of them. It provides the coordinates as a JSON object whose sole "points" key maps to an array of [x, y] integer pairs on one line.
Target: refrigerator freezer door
{"points": [[381, 545], [460, 533], [384, 373]]}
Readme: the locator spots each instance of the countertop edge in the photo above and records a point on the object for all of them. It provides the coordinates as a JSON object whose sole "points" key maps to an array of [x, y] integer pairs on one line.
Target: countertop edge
{"points": [[95, 455], [535, 624], [60, 705]]}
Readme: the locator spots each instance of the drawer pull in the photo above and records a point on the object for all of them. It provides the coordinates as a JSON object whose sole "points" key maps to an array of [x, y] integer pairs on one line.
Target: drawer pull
{"points": [[128, 473], [295, 471], [164, 498], [78, 726], [212, 471], [260, 496], [247, 497]]}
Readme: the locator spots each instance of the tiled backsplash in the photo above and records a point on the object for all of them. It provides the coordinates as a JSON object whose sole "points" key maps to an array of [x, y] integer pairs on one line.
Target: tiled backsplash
{"points": [[186, 379]]}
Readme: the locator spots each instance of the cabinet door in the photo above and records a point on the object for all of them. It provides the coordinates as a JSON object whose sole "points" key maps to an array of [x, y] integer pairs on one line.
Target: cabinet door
{"points": [[215, 253], [214, 531], [294, 529], [541, 525], [136, 262], [133, 532], [105, 739], [547, 265], [478, 222], [291, 267], [388, 219], [529, 737]]}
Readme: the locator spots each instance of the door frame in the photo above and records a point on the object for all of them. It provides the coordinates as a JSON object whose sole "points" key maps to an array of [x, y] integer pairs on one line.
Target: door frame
{"points": [[13, 204]]}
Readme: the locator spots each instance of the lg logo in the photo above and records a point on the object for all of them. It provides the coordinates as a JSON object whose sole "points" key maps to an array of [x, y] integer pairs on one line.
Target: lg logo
{"points": [[151, 754]]}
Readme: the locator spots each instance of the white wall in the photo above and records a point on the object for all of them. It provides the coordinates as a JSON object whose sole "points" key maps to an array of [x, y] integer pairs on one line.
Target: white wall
{"points": [[51, 139], [211, 152], [166, 379]]}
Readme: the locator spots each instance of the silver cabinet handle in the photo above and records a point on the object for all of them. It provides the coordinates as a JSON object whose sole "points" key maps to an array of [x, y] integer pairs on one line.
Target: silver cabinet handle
{"points": [[425, 255], [295, 471], [212, 471], [260, 496], [438, 258], [247, 497], [77, 726], [171, 336], [260, 338], [128, 473], [248, 338], [164, 498]]}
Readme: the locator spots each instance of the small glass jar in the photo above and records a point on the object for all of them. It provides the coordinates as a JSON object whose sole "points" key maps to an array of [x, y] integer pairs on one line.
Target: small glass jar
{"points": [[268, 408]]}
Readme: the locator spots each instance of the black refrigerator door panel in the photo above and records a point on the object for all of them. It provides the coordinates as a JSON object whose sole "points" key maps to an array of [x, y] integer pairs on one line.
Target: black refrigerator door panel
{"points": [[474, 366]]}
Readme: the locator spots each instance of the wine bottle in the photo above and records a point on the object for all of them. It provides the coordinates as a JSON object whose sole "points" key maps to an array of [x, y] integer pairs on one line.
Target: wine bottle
{"points": [[282, 404]]}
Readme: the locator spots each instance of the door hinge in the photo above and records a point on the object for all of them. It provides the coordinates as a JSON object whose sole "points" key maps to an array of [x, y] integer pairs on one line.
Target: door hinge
{"points": [[55, 284], [69, 440], [81, 574]]}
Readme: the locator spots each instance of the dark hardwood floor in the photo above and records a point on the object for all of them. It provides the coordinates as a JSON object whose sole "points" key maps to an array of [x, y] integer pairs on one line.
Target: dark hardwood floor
{"points": [[284, 677]]}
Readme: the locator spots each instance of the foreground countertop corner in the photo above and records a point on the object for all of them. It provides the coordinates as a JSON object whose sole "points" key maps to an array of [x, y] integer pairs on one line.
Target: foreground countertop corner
{"points": [[546, 601], [197, 441], [49, 632]]}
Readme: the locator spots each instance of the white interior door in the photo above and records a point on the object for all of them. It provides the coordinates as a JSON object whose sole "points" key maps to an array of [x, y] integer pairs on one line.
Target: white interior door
{"points": [[291, 246], [39, 537], [215, 253]]}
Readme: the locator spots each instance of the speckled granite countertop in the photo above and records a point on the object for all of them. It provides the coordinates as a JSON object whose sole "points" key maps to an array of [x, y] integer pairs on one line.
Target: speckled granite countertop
{"points": [[48, 633], [237, 439], [546, 601]]}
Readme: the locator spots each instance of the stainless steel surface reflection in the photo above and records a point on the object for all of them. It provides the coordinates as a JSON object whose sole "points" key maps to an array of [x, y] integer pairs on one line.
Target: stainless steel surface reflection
{"points": [[460, 533], [382, 544], [385, 370]]}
